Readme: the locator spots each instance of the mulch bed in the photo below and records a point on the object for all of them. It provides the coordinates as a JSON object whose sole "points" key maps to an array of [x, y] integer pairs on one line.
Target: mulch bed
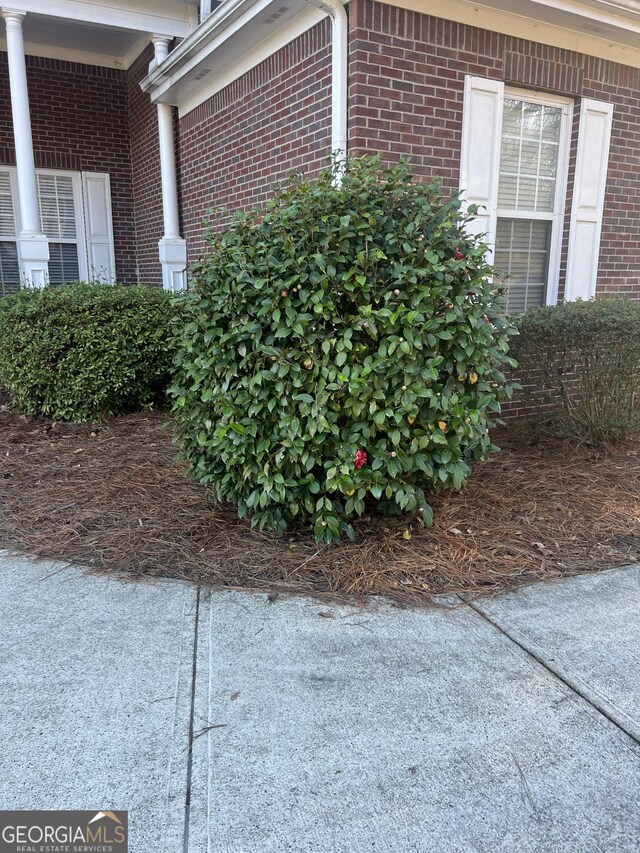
{"points": [[113, 497]]}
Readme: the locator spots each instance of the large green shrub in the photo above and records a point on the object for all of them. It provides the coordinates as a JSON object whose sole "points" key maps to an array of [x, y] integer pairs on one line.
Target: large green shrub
{"points": [[340, 321], [81, 351], [585, 358]]}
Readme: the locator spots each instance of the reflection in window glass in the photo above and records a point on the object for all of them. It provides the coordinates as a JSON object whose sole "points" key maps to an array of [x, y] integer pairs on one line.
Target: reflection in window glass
{"points": [[529, 156]]}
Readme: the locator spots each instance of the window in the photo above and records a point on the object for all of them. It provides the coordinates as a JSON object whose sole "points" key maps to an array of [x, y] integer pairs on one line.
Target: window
{"points": [[531, 198], [75, 212], [514, 164], [9, 267], [60, 200]]}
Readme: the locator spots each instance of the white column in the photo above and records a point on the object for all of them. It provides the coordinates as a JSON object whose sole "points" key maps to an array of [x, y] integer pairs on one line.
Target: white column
{"points": [[33, 247], [173, 249]]}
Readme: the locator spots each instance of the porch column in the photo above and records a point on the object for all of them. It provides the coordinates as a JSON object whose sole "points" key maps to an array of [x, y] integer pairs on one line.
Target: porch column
{"points": [[33, 247], [173, 249]]}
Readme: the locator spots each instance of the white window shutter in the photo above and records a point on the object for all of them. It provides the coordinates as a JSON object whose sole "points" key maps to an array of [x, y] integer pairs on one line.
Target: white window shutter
{"points": [[480, 158], [99, 226], [588, 199]]}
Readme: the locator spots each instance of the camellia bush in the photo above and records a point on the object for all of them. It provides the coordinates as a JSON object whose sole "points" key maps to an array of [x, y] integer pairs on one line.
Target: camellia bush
{"points": [[343, 352], [83, 351]]}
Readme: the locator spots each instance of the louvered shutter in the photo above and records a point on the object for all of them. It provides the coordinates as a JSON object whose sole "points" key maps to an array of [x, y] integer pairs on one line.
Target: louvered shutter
{"points": [[480, 158], [99, 226], [588, 199]]}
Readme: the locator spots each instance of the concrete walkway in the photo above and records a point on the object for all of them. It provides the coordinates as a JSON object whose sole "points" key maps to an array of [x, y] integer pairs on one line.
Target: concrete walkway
{"points": [[224, 723]]}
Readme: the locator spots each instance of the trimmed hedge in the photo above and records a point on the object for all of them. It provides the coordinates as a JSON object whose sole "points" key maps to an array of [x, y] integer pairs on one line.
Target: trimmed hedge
{"points": [[343, 352], [585, 357], [83, 351]]}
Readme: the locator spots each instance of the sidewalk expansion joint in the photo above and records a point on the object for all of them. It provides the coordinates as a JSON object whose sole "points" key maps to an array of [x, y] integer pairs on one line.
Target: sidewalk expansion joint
{"points": [[187, 802], [617, 719]]}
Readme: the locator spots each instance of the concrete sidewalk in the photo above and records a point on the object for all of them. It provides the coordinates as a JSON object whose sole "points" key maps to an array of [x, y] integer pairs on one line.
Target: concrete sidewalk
{"points": [[224, 723]]}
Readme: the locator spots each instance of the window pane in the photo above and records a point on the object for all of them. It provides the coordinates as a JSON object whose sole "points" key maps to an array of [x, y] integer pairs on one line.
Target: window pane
{"points": [[57, 209], [548, 160], [512, 116], [63, 263], [522, 254], [551, 124], [9, 269], [529, 156], [546, 195]]}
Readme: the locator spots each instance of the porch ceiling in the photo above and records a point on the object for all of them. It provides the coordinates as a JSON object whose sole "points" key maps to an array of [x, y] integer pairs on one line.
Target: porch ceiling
{"points": [[101, 33]]}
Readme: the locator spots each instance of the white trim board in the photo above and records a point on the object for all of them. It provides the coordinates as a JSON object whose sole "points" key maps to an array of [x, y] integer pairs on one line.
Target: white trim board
{"points": [[520, 26], [246, 62], [236, 37]]}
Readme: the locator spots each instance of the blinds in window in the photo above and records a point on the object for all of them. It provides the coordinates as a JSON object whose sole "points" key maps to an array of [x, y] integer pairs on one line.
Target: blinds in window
{"points": [[9, 268], [57, 206], [63, 263], [522, 253], [7, 220], [75, 210], [529, 156]]}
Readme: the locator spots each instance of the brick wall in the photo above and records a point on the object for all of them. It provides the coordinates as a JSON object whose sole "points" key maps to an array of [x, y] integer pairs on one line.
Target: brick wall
{"points": [[79, 121], [406, 96], [237, 144], [145, 163]]}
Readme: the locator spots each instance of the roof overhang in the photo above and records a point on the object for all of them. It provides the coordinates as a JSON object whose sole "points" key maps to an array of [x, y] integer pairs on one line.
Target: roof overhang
{"points": [[241, 33], [101, 32], [607, 29], [233, 39]]}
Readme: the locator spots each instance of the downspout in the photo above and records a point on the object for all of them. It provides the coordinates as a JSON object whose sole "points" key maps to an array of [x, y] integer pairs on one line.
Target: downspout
{"points": [[339, 60]]}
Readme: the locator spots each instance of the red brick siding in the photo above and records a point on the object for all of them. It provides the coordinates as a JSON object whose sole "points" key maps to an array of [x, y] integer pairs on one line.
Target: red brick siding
{"points": [[145, 162], [237, 144], [406, 96], [79, 121]]}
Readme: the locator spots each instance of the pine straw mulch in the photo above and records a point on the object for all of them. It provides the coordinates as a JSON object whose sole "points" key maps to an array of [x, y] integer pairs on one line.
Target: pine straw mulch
{"points": [[113, 497]]}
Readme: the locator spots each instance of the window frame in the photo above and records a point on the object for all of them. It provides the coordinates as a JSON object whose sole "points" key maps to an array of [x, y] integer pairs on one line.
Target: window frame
{"points": [[557, 217], [80, 240]]}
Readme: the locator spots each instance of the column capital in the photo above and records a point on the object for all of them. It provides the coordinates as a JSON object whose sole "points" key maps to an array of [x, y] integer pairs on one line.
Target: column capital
{"points": [[12, 16], [161, 47]]}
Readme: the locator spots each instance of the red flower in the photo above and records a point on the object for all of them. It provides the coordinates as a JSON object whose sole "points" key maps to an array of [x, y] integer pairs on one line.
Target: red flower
{"points": [[459, 256], [359, 459]]}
